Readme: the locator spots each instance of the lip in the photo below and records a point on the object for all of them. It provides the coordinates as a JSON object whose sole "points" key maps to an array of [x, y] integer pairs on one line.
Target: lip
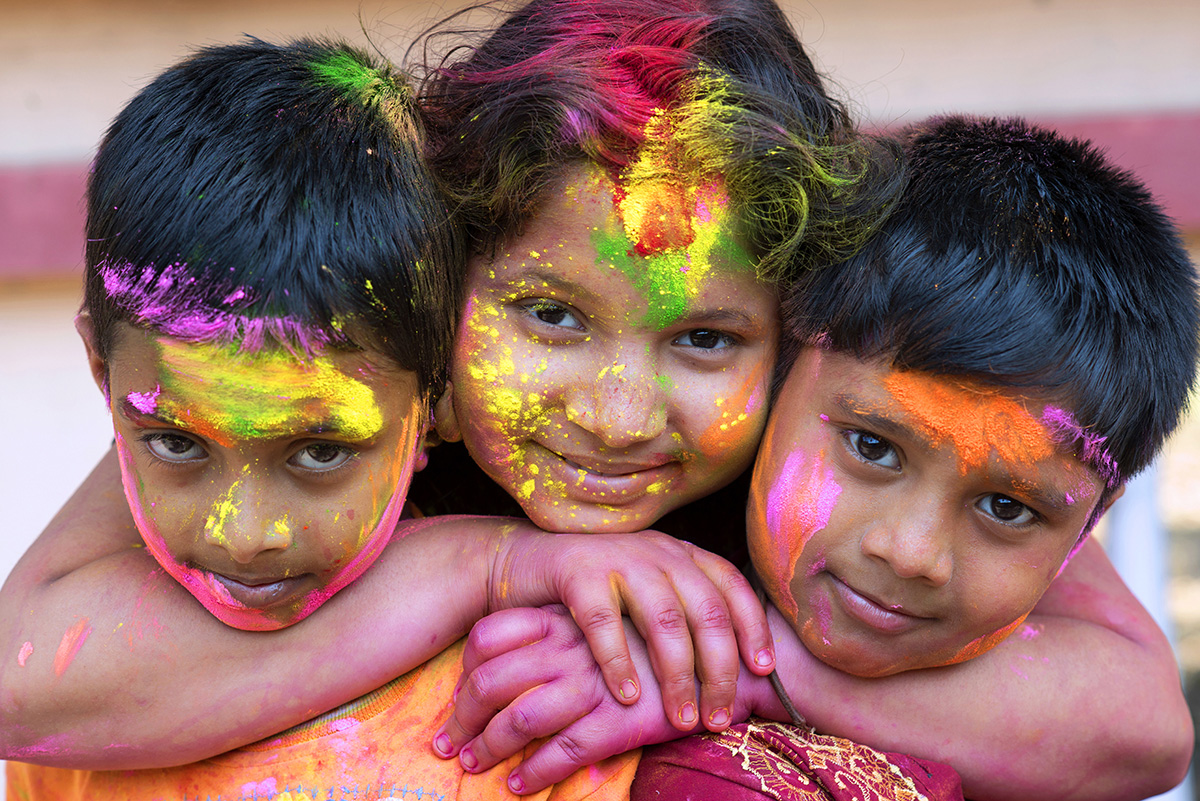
{"points": [[607, 482], [884, 618], [256, 593]]}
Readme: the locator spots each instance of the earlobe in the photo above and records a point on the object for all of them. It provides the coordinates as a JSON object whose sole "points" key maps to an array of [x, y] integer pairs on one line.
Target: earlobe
{"points": [[87, 332], [1117, 493], [445, 421]]}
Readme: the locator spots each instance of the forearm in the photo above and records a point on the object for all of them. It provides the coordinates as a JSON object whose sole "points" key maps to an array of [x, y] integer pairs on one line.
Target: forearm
{"points": [[128, 670], [1083, 702]]}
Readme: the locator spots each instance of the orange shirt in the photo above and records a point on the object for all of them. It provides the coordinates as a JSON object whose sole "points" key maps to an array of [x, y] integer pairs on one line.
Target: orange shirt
{"points": [[377, 747]]}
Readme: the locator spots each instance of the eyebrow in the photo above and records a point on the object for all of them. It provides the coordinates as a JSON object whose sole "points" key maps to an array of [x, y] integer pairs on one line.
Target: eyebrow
{"points": [[890, 428], [554, 281], [137, 417]]}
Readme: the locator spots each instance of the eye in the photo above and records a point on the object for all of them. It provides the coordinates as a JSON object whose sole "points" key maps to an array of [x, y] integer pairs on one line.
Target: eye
{"points": [[175, 448], [706, 339], [1007, 510], [873, 449], [551, 313], [321, 457]]}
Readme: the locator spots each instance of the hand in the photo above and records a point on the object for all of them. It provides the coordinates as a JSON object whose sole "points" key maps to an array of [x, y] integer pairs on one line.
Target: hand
{"points": [[695, 611], [527, 674]]}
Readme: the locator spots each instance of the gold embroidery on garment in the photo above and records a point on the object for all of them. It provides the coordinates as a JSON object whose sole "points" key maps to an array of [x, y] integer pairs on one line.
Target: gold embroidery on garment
{"points": [[869, 773]]}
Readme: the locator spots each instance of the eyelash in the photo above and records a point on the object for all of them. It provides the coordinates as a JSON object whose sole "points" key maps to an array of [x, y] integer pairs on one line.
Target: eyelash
{"points": [[171, 464]]}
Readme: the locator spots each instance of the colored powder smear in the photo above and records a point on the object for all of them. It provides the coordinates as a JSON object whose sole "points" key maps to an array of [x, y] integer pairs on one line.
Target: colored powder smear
{"points": [[23, 655], [223, 513], [1067, 432], [975, 421], [73, 639], [145, 402], [225, 394], [799, 504]]}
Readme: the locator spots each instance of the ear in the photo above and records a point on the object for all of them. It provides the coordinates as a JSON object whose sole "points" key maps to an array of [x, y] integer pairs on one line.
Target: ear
{"points": [[1117, 493], [87, 332], [445, 420]]}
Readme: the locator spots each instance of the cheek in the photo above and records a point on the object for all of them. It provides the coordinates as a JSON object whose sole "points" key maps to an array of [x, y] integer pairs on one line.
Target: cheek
{"points": [[793, 505], [737, 418]]}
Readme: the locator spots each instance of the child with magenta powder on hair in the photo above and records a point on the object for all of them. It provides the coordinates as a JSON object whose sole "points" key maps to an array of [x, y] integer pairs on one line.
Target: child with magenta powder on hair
{"points": [[544, 166], [1020, 338], [969, 394], [268, 341]]}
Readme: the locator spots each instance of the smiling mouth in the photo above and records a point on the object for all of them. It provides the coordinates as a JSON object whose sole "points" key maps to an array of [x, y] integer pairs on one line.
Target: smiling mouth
{"points": [[608, 482], [256, 593], [887, 618]]}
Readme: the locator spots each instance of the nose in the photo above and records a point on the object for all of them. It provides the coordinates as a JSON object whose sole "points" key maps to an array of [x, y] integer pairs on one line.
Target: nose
{"points": [[623, 405], [915, 548], [237, 523]]}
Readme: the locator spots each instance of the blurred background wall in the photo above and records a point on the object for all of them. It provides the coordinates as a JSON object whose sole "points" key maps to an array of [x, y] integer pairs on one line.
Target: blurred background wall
{"points": [[1126, 74]]}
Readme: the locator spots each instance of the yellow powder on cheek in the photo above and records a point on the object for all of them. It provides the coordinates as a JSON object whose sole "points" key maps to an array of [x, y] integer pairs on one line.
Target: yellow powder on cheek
{"points": [[976, 421], [223, 512]]}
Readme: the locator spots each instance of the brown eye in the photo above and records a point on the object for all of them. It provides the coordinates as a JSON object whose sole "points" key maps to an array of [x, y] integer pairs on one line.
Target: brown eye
{"points": [[174, 447], [1006, 510], [322, 456], [873, 449]]}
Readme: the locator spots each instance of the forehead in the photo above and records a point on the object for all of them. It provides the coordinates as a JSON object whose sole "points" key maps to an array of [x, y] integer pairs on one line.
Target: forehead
{"points": [[670, 238], [980, 422], [228, 394]]}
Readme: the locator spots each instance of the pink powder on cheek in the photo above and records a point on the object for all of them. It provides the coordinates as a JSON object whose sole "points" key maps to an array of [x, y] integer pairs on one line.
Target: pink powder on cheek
{"points": [[73, 639], [799, 504], [26, 650]]}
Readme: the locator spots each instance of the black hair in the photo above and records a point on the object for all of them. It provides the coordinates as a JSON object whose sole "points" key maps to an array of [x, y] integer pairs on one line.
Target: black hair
{"points": [[1021, 258], [559, 81], [259, 193]]}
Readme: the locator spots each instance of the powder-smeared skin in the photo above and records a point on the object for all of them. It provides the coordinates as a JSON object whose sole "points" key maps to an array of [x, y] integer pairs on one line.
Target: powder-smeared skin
{"points": [[73, 639], [24, 653], [668, 237], [145, 402], [799, 504], [979, 424], [224, 511], [250, 409], [985, 643], [735, 411]]}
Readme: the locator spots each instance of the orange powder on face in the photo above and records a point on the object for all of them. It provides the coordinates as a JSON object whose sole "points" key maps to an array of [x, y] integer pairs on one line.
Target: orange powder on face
{"points": [[977, 421], [984, 643], [735, 412]]}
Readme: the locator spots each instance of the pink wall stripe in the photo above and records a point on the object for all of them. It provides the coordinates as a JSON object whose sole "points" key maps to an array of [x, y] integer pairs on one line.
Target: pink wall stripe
{"points": [[41, 207]]}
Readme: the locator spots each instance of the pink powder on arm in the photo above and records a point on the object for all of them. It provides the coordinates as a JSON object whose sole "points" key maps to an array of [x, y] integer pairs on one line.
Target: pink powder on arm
{"points": [[73, 639]]}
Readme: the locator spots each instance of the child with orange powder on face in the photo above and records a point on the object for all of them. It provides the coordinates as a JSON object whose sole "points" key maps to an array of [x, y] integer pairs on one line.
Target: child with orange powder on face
{"points": [[789, 95], [969, 395]]}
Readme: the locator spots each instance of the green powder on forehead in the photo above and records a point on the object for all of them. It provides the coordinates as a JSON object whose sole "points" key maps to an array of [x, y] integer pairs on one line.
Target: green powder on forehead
{"points": [[223, 393]]}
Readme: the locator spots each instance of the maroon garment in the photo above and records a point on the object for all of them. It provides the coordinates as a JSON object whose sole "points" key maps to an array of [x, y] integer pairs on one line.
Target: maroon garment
{"points": [[761, 759]]}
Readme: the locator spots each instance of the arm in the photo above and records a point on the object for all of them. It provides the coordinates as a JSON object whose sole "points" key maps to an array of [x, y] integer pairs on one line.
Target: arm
{"points": [[127, 670], [1084, 701]]}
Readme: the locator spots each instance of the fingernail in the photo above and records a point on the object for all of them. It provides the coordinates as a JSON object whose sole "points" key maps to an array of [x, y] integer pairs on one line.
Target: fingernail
{"points": [[515, 784], [468, 759], [628, 689], [719, 718], [441, 744], [687, 713], [763, 658]]}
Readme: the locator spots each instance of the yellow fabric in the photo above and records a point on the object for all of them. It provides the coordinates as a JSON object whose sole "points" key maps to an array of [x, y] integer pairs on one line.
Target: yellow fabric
{"points": [[377, 747]]}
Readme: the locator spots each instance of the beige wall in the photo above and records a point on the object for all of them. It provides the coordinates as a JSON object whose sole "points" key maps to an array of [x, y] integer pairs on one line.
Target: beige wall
{"points": [[67, 65]]}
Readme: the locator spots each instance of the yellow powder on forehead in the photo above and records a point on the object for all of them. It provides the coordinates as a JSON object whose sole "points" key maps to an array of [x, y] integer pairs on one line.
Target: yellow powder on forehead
{"points": [[977, 421], [230, 395]]}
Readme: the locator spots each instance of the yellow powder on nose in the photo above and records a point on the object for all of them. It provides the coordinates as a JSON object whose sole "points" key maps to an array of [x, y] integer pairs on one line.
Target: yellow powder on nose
{"points": [[976, 420], [223, 512]]}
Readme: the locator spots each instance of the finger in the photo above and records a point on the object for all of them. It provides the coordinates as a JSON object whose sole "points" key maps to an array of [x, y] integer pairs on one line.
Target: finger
{"points": [[597, 612], [505, 631], [491, 687], [539, 713], [583, 743], [660, 617], [749, 618]]}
